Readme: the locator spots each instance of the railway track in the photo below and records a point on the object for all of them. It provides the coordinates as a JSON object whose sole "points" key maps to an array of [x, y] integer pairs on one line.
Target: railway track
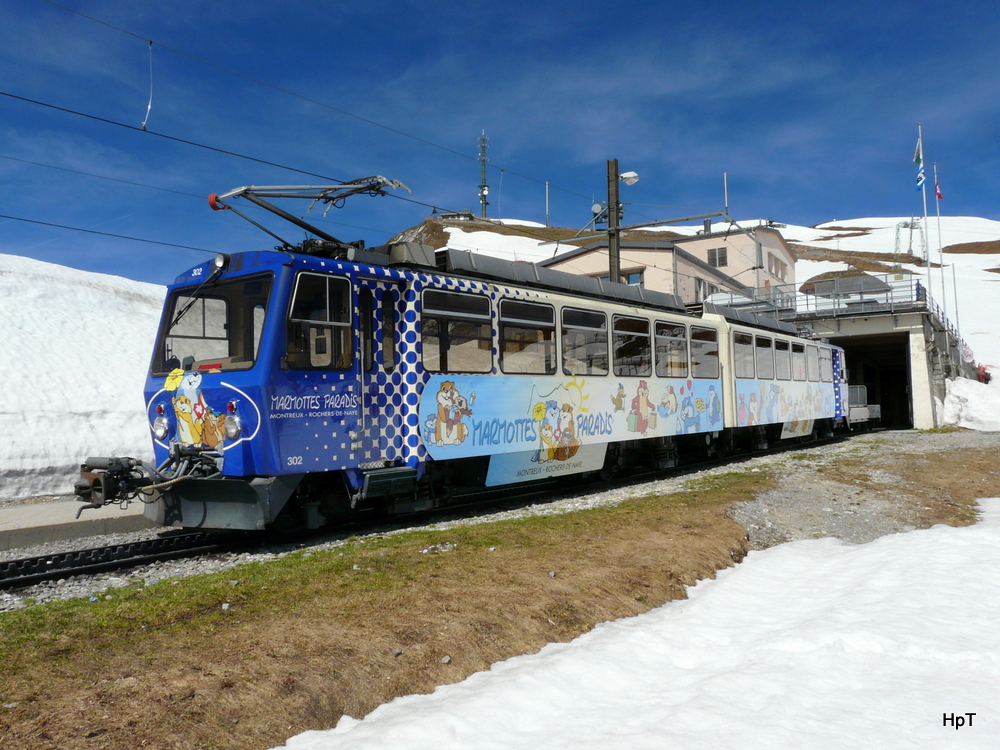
{"points": [[18, 574], [29, 571]]}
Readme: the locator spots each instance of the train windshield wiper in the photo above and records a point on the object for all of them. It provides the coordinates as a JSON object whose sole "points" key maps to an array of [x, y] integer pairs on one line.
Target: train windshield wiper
{"points": [[219, 265]]}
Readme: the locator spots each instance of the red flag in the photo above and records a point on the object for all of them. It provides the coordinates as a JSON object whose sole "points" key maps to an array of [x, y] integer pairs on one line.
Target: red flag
{"points": [[937, 189]]}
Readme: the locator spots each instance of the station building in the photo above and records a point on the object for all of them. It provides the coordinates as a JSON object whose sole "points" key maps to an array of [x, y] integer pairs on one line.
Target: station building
{"points": [[898, 343]]}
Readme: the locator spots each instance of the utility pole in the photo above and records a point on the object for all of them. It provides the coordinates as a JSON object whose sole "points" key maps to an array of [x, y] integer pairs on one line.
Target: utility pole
{"points": [[614, 247], [484, 189]]}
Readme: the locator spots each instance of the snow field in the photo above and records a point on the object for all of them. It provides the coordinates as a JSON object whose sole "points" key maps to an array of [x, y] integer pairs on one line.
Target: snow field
{"points": [[809, 644], [75, 349]]}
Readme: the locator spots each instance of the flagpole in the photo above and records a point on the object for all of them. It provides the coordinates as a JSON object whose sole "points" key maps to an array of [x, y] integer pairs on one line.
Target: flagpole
{"points": [[954, 290], [937, 201], [923, 189]]}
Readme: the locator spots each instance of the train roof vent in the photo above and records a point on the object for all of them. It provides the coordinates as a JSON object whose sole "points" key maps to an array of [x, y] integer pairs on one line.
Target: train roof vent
{"points": [[767, 321], [749, 318], [411, 253], [396, 254]]}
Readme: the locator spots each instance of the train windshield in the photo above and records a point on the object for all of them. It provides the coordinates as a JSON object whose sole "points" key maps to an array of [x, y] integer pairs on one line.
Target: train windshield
{"points": [[215, 328]]}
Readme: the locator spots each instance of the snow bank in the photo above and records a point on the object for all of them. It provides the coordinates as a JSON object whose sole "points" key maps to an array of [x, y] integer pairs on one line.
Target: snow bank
{"points": [[973, 405], [809, 644], [75, 349]]}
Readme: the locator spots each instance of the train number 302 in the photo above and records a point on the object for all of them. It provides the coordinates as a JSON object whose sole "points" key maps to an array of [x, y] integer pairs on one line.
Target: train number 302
{"points": [[294, 460]]}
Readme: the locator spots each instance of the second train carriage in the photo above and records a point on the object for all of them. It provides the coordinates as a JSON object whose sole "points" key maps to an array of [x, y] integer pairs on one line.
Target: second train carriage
{"points": [[290, 387]]}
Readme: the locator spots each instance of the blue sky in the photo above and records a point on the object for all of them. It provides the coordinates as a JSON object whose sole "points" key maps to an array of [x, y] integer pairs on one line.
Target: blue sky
{"points": [[811, 109]]}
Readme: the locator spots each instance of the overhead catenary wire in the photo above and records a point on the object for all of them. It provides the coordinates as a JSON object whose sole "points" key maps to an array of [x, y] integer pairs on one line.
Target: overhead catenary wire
{"points": [[305, 98], [196, 144], [173, 138], [216, 149], [107, 234], [168, 190], [524, 231]]}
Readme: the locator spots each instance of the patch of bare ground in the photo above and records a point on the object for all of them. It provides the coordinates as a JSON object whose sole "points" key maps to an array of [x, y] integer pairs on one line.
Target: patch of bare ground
{"points": [[842, 235], [863, 261], [989, 247], [310, 637], [835, 228], [993, 270], [932, 487], [433, 232]]}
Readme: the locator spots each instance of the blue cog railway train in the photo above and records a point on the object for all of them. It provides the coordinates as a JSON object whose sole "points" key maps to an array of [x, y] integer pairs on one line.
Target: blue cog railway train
{"points": [[291, 388]]}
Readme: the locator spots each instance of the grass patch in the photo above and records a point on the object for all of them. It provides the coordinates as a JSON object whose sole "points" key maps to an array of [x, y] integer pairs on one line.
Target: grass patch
{"points": [[320, 633], [812, 457], [987, 247]]}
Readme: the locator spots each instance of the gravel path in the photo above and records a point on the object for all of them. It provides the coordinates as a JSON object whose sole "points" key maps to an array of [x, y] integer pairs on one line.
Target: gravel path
{"points": [[804, 505]]}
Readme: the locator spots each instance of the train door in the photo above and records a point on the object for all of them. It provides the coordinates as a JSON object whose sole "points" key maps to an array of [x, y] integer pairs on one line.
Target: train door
{"points": [[378, 334]]}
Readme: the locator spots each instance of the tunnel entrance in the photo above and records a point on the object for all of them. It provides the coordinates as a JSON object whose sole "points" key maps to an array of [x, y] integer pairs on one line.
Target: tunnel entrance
{"points": [[882, 363]]}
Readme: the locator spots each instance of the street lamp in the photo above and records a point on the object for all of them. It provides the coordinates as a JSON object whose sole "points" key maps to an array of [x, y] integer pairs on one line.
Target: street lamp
{"points": [[614, 206]]}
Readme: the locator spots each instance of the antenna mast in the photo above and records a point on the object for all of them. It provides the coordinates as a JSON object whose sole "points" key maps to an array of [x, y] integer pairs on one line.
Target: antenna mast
{"points": [[484, 189]]}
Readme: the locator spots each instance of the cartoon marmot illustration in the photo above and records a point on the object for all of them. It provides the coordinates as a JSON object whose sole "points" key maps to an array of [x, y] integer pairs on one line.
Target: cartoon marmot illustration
{"points": [[197, 422], [565, 435], [451, 408], [642, 408], [668, 404], [547, 451], [188, 428], [689, 416], [753, 410], [714, 406], [771, 404], [619, 398]]}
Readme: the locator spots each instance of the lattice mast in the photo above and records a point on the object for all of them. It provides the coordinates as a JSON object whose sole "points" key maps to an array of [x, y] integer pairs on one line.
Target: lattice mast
{"points": [[484, 189]]}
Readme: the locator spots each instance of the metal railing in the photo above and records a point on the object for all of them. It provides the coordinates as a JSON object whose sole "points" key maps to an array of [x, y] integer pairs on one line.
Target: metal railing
{"points": [[841, 296]]}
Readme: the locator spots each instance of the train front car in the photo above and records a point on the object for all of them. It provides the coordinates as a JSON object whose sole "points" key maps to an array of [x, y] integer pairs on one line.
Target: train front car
{"points": [[256, 383], [207, 392], [263, 378]]}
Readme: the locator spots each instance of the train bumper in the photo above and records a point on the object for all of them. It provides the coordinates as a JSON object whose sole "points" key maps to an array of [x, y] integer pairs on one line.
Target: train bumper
{"points": [[222, 503]]}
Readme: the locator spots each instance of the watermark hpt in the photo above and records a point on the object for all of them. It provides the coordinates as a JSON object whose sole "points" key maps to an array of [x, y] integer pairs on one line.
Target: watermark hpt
{"points": [[958, 720]]}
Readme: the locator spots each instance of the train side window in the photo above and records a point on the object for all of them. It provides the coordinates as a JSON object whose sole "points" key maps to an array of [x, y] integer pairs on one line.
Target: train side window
{"points": [[318, 334], [798, 362], [584, 342], [765, 358], [633, 355], [704, 352], [366, 329], [527, 338], [456, 332], [812, 363], [782, 361], [826, 365], [671, 350], [388, 331], [743, 352]]}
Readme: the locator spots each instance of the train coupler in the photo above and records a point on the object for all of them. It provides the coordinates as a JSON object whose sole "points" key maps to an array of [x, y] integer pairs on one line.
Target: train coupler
{"points": [[107, 480]]}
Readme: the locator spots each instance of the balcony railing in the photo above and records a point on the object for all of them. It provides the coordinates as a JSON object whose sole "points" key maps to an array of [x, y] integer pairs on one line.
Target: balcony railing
{"points": [[840, 297]]}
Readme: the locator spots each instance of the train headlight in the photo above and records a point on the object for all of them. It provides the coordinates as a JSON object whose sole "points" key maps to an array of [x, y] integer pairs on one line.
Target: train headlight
{"points": [[233, 426], [161, 427]]}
